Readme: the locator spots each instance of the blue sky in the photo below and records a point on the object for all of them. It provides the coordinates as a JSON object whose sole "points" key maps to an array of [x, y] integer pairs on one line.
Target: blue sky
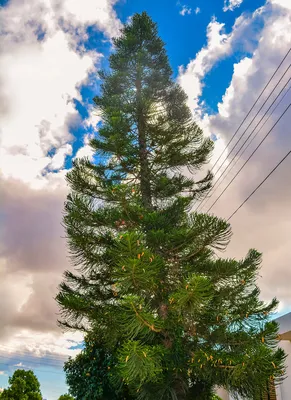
{"points": [[221, 55]]}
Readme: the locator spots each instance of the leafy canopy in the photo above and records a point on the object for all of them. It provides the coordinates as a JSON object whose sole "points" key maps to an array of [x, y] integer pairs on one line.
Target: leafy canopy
{"points": [[23, 385], [66, 397], [89, 374]]}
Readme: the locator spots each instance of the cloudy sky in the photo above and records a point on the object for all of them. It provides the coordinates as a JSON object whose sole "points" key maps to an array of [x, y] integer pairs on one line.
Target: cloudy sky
{"points": [[222, 53]]}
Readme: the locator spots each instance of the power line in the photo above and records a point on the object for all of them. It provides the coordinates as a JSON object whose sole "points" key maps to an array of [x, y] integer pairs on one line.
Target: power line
{"points": [[257, 113], [245, 131], [239, 157], [248, 137], [263, 181], [261, 142], [260, 95]]}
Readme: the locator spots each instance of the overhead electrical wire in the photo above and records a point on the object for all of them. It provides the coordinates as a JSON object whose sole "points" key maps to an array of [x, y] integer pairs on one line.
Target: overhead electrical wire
{"points": [[211, 189], [261, 142], [251, 141], [257, 188], [260, 95], [215, 188]]}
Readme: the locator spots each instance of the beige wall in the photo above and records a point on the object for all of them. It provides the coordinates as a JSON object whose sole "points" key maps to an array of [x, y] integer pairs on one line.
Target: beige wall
{"points": [[284, 390], [223, 394]]}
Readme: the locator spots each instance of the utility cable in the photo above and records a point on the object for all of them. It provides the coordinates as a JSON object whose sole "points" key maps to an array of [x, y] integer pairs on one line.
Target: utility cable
{"points": [[261, 142], [239, 157], [242, 135], [248, 137], [260, 95], [263, 181]]}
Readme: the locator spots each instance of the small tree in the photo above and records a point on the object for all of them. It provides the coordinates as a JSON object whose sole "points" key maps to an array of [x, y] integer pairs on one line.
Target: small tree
{"points": [[151, 286], [24, 385], [89, 375], [66, 397]]}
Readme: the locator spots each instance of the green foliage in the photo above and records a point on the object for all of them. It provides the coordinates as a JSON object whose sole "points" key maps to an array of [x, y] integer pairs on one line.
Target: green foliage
{"points": [[90, 376], [140, 363], [66, 397], [173, 316], [23, 385]]}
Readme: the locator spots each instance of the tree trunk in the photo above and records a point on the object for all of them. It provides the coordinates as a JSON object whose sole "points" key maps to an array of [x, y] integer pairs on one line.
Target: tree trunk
{"points": [[144, 164]]}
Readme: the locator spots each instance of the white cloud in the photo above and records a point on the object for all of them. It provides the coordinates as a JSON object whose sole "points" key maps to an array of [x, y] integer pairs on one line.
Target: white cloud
{"points": [[185, 10], [90, 12], [218, 47], [40, 111], [282, 3], [93, 119], [190, 78], [58, 159], [230, 5], [19, 365], [86, 150], [40, 79], [238, 80], [42, 345], [197, 10]]}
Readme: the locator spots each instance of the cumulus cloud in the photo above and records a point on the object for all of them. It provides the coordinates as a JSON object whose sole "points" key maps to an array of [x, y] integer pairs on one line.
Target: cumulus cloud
{"points": [[43, 66], [230, 5], [219, 46], [49, 346], [263, 222], [85, 150], [86, 13]]}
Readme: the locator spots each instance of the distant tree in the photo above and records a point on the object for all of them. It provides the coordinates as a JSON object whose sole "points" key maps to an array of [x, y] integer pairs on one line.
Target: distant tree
{"points": [[66, 397], [89, 374], [23, 385]]}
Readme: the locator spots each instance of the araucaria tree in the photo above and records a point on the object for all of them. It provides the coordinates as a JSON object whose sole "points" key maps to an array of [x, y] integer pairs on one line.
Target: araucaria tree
{"points": [[150, 283]]}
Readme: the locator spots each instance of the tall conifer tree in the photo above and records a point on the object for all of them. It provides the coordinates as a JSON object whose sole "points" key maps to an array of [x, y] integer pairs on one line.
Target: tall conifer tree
{"points": [[150, 284]]}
